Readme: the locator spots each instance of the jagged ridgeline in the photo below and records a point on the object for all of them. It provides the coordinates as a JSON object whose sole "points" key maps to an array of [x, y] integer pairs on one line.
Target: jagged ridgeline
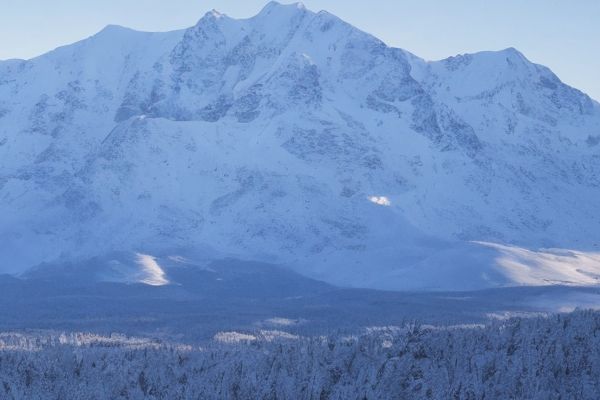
{"points": [[293, 137], [539, 358]]}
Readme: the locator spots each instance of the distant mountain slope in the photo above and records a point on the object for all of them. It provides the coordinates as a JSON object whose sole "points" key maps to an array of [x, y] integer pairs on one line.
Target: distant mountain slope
{"points": [[295, 138]]}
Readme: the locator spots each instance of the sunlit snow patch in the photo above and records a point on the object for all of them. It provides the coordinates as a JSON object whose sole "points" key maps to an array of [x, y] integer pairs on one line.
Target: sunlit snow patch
{"points": [[262, 335], [153, 273], [274, 335], [284, 321], [547, 266], [380, 200], [233, 337]]}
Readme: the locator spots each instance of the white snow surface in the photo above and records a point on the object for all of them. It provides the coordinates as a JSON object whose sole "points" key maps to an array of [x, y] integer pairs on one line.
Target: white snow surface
{"points": [[293, 137]]}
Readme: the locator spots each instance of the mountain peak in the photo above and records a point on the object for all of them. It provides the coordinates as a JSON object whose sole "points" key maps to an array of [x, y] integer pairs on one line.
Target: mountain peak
{"points": [[113, 29], [275, 4], [513, 54], [214, 14], [275, 7]]}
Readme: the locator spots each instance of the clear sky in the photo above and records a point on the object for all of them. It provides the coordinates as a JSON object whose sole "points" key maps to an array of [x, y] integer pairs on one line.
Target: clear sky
{"points": [[561, 34]]}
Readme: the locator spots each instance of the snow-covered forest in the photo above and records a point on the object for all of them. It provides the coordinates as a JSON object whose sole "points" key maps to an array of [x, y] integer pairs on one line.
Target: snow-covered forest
{"points": [[553, 357]]}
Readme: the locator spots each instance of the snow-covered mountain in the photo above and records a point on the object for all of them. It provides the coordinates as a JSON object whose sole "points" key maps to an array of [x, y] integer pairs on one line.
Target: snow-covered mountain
{"points": [[293, 137]]}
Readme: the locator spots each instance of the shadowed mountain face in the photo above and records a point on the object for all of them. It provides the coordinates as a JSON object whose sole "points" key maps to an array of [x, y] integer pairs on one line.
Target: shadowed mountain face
{"points": [[292, 137]]}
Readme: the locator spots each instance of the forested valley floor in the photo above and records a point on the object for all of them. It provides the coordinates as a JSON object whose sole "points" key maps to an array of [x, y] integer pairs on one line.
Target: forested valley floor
{"points": [[546, 357]]}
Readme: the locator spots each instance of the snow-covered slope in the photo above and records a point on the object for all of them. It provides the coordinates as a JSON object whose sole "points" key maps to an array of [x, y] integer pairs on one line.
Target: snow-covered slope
{"points": [[295, 138]]}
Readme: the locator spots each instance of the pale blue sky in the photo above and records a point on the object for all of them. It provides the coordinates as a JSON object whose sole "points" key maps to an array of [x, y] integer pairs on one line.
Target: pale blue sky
{"points": [[562, 34]]}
